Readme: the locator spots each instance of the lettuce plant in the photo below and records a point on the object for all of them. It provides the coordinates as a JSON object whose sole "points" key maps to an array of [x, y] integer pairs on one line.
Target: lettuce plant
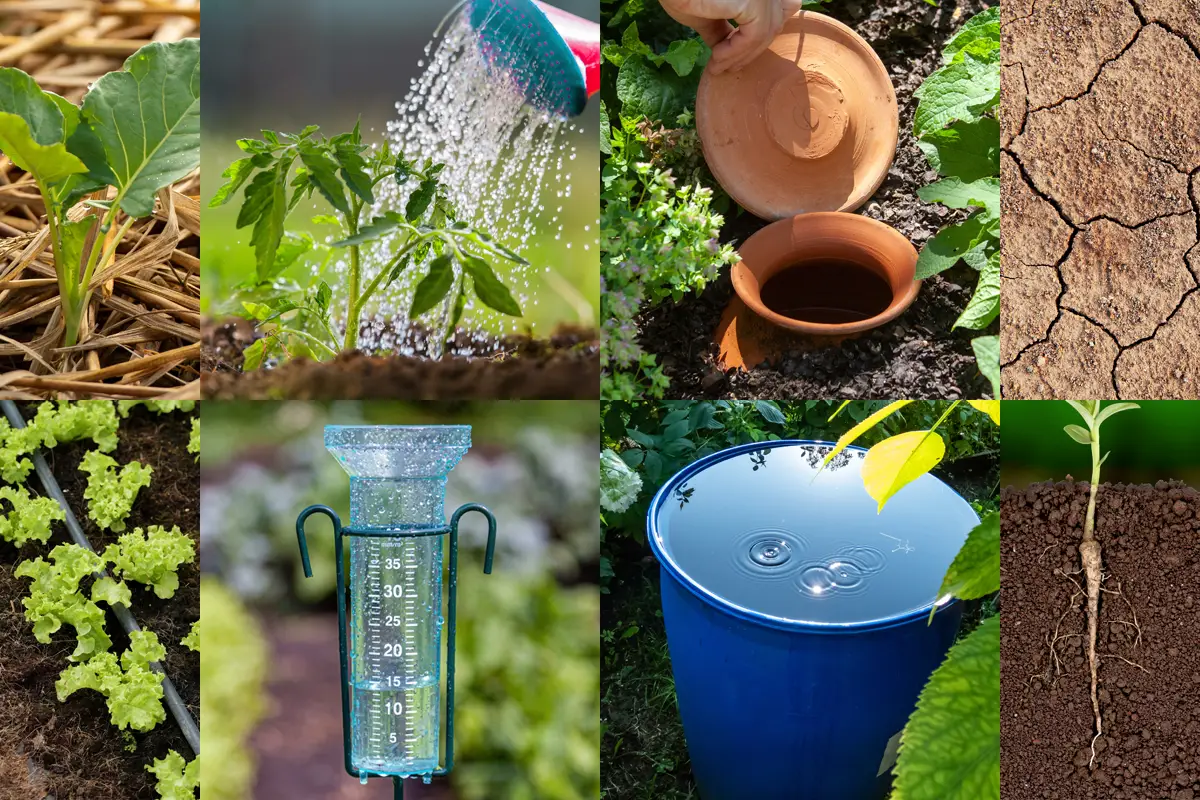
{"points": [[137, 131], [55, 599], [192, 640], [110, 492], [134, 692], [152, 558], [72, 421], [157, 406], [287, 168], [15, 445], [177, 779], [194, 438], [30, 517]]}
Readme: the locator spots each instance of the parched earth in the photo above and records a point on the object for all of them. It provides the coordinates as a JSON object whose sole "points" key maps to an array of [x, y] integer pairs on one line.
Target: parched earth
{"points": [[1100, 177], [1148, 644]]}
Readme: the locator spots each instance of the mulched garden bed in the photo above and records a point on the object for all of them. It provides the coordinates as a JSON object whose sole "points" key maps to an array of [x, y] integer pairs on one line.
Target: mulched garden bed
{"points": [[71, 751], [915, 356], [1150, 749], [563, 367]]}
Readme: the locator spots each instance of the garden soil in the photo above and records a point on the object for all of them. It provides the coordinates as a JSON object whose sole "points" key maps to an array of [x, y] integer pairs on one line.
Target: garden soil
{"points": [[1100, 178], [563, 367], [1151, 546], [71, 751], [918, 355]]}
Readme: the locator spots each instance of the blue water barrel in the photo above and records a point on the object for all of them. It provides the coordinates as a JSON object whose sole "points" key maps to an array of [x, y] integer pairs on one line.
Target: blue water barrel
{"points": [[798, 617]]}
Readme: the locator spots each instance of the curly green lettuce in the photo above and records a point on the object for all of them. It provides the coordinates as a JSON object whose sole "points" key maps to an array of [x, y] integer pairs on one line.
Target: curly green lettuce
{"points": [[152, 558], [192, 640], [156, 406], [134, 691], [14, 446], [30, 517], [74, 420], [177, 779], [194, 438], [111, 493]]}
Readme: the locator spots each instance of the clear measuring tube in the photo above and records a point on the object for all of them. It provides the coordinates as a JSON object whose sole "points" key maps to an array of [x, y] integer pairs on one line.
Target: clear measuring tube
{"points": [[394, 619]]}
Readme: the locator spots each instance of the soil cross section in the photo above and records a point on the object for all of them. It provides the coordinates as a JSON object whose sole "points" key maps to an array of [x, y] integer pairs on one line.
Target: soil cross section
{"points": [[1100, 179]]}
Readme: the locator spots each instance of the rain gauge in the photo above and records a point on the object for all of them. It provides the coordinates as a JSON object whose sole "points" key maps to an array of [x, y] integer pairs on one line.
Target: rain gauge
{"points": [[390, 614]]}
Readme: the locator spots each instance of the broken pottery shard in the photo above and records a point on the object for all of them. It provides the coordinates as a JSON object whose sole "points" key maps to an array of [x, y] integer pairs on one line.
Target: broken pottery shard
{"points": [[1129, 281], [1076, 361]]}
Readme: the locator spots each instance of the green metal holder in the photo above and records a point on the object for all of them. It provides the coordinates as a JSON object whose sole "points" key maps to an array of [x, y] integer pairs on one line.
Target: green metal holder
{"points": [[343, 605]]}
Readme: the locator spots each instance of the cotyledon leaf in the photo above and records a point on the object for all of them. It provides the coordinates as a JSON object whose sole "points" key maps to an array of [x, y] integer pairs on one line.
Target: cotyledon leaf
{"points": [[147, 117]]}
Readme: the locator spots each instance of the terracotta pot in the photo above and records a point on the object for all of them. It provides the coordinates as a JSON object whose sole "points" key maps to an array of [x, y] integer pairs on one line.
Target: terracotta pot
{"points": [[809, 125], [827, 237]]}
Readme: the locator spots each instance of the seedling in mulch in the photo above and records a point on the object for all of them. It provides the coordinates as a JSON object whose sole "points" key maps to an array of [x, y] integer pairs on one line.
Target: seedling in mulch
{"points": [[1090, 554], [137, 131]]}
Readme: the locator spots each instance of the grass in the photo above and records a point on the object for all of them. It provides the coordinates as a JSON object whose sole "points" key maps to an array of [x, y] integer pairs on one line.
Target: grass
{"points": [[570, 295]]}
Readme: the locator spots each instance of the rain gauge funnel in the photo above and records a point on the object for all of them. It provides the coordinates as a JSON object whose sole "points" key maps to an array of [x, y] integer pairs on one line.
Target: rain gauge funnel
{"points": [[798, 618], [390, 615], [553, 56]]}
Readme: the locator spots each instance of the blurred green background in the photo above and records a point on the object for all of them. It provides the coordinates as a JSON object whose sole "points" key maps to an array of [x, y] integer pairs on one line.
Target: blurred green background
{"points": [[527, 722], [284, 64], [1159, 441]]}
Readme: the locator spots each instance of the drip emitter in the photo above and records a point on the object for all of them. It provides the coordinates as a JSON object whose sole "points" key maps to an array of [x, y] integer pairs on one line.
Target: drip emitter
{"points": [[553, 56], [390, 615]]}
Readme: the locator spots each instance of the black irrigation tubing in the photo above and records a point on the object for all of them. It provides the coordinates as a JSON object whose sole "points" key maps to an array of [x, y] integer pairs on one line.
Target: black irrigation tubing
{"points": [[187, 724]]}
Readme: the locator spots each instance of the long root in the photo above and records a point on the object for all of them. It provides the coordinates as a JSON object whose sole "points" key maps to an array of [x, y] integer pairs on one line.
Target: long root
{"points": [[1089, 553]]}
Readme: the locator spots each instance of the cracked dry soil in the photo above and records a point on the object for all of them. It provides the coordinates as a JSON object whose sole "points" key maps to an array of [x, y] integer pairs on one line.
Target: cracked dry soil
{"points": [[1149, 685], [1100, 180]]}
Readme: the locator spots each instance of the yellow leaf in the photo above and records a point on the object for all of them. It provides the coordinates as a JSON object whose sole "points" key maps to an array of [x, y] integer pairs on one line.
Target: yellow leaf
{"points": [[896, 462], [989, 407], [858, 430]]}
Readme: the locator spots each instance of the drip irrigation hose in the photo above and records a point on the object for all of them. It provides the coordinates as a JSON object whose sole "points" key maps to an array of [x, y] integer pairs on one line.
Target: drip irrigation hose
{"points": [[187, 724]]}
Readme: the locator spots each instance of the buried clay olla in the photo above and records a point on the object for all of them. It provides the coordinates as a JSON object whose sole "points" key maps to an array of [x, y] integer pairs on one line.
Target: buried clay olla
{"points": [[810, 125]]}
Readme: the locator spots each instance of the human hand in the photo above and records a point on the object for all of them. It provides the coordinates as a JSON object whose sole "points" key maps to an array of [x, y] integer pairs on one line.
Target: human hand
{"points": [[759, 21]]}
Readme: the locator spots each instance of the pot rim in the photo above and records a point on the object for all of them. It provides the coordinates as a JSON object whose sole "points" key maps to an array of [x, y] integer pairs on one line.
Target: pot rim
{"points": [[668, 565], [740, 275]]}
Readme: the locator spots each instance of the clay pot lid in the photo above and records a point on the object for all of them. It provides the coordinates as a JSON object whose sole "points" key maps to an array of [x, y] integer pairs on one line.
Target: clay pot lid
{"points": [[809, 125]]}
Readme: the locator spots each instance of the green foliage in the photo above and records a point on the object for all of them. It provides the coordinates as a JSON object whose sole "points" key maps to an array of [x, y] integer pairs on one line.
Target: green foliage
{"points": [[192, 640], [975, 572], [956, 126], [619, 485], [281, 169], [134, 691], [156, 406], [231, 691], [950, 749], [177, 779], [55, 599], [14, 446], [138, 131], [529, 686], [30, 517], [194, 438], [658, 242], [71, 421], [110, 493], [152, 558], [657, 62]]}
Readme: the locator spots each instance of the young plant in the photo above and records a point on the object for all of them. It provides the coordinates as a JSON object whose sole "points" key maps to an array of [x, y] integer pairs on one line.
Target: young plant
{"points": [[156, 406], [192, 640], [957, 127], [110, 493], [177, 779], [71, 421], [287, 168], [152, 558], [1090, 555], [137, 131], [54, 598], [15, 445], [194, 438], [134, 691], [30, 517]]}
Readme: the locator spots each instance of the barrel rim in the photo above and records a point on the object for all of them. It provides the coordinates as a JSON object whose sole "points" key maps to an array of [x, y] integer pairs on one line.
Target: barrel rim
{"points": [[721, 604]]}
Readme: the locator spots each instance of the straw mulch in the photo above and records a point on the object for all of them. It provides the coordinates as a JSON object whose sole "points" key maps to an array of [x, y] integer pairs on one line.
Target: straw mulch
{"points": [[142, 335]]}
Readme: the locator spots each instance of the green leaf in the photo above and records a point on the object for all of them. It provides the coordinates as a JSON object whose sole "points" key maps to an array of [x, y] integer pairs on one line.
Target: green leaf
{"points": [[975, 572], [433, 287], [1078, 434], [419, 200], [291, 248], [684, 55], [376, 228], [987, 355], [950, 749], [252, 356], [657, 94], [898, 461], [267, 195], [488, 287], [322, 173], [1088, 413], [148, 119], [21, 96], [770, 412], [965, 89], [984, 306], [237, 173], [354, 171], [945, 249], [460, 301], [969, 150], [605, 131], [955, 193], [1114, 408], [984, 25], [74, 237], [858, 430], [48, 163]]}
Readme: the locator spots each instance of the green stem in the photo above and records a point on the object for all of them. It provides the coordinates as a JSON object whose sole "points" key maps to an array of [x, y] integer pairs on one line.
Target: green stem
{"points": [[309, 337], [352, 301], [373, 286], [1090, 520]]}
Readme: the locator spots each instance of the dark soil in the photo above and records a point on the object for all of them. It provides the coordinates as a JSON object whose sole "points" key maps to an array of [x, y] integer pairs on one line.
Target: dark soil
{"points": [[298, 748], [1150, 749], [915, 356], [71, 751], [564, 367]]}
